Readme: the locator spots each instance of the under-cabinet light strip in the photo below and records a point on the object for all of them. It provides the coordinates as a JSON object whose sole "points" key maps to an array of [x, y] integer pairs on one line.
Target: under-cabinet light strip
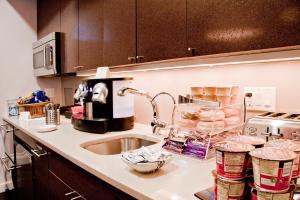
{"points": [[92, 73], [211, 65]]}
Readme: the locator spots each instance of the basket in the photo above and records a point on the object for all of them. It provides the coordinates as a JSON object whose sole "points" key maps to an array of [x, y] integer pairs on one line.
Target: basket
{"points": [[36, 109]]}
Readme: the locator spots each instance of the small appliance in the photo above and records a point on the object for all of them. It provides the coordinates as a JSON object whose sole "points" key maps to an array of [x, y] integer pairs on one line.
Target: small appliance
{"points": [[274, 125], [46, 55], [104, 109]]}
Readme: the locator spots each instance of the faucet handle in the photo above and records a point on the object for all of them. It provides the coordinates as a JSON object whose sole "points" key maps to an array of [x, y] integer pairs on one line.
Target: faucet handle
{"points": [[158, 123]]}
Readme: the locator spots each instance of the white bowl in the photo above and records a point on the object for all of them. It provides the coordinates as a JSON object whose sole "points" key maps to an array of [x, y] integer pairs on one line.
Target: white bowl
{"points": [[146, 167]]}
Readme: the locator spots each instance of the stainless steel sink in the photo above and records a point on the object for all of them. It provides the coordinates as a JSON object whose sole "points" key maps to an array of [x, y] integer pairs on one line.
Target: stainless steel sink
{"points": [[119, 144]]}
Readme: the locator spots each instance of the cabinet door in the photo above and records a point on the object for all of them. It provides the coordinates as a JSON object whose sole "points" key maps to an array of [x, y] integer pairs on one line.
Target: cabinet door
{"points": [[218, 26], [69, 41], [48, 17], [90, 34], [89, 186], [41, 177], [161, 29], [58, 190], [119, 32]]}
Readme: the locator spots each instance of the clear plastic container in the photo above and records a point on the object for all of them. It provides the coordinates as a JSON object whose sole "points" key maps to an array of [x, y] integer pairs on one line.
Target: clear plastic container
{"points": [[12, 107], [199, 127]]}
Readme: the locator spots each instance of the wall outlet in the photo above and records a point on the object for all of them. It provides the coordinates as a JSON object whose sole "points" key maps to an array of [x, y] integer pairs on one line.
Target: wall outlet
{"points": [[50, 92], [263, 98]]}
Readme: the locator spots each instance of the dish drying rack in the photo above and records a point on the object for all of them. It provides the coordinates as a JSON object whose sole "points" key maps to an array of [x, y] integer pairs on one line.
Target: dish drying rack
{"points": [[198, 127]]}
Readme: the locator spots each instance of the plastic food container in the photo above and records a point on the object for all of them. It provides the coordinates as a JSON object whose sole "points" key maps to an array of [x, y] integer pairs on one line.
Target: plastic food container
{"points": [[210, 90], [272, 168], [232, 159], [255, 141], [224, 100], [196, 90], [197, 96], [223, 91], [229, 189], [234, 90], [233, 99], [291, 145], [13, 109], [257, 194], [210, 97]]}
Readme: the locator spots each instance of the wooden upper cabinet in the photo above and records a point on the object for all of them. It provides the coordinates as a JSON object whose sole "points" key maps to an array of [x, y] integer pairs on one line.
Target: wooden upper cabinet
{"points": [[69, 40], [48, 17], [161, 29], [119, 32], [90, 34], [218, 26]]}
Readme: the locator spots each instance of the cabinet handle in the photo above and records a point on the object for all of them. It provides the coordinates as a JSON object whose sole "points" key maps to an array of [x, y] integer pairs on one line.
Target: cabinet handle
{"points": [[69, 193], [37, 154], [192, 51], [78, 197], [5, 165], [78, 67], [4, 128], [139, 58], [132, 59]]}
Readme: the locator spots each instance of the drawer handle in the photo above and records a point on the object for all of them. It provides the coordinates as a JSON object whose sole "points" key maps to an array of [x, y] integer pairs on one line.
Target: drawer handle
{"points": [[37, 154], [78, 197], [5, 165], [69, 193], [4, 128]]}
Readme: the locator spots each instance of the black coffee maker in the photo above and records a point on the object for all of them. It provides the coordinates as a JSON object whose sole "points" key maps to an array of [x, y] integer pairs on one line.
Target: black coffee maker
{"points": [[104, 109]]}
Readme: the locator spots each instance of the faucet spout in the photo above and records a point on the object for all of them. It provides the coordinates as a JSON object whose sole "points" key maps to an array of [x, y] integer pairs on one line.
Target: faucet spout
{"points": [[127, 90], [156, 123]]}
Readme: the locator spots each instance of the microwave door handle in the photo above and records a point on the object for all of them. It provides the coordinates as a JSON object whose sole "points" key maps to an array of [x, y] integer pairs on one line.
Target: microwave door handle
{"points": [[51, 55], [44, 50]]}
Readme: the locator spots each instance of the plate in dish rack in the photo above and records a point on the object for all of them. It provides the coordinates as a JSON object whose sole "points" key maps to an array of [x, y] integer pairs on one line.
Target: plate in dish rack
{"points": [[46, 128]]}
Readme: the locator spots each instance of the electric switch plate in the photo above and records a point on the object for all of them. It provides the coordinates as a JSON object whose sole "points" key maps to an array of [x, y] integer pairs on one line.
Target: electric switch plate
{"points": [[263, 98]]}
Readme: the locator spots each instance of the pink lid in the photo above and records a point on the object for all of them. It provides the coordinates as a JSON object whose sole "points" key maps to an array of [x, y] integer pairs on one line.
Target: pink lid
{"points": [[234, 146], [273, 153], [283, 143]]}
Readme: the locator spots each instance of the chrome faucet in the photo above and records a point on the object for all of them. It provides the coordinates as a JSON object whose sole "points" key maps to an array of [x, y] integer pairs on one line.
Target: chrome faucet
{"points": [[156, 123]]}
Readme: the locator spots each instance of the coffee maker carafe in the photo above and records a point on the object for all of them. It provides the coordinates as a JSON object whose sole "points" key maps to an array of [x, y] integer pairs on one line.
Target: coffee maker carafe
{"points": [[104, 109]]}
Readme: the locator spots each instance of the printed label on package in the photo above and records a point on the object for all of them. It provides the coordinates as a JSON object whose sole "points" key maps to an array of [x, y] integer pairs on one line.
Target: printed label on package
{"points": [[219, 157], [286, 171], [269, 168]]}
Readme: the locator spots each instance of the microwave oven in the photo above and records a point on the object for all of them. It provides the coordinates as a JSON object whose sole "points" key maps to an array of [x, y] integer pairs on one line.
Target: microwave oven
{"points": [[46, 55]]}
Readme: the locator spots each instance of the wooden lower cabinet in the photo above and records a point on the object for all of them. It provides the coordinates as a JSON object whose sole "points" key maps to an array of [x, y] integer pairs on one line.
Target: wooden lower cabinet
{"points": [[85, 184], [40, 174], [58, 189]]}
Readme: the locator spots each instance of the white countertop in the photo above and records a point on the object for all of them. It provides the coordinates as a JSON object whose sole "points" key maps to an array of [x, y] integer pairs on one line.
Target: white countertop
{"points": [[177, 180]]}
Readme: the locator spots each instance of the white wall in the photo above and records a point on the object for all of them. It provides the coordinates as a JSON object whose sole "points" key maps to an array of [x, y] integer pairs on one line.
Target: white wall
{"points": [[18, 32], [283, 75]]}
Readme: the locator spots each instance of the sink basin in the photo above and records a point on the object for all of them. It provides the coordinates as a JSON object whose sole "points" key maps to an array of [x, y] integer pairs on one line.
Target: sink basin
{"points": [[119, 144]]}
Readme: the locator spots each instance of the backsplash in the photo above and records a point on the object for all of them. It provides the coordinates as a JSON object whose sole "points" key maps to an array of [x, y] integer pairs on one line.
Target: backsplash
{"points": [[282, 75]]}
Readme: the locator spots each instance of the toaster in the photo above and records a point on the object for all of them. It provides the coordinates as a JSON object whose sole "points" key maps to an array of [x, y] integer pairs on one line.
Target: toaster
{"points": [[274, 125]]}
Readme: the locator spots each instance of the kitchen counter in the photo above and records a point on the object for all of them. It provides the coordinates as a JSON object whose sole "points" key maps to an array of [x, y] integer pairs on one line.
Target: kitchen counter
{"points": [[177, 180]]}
